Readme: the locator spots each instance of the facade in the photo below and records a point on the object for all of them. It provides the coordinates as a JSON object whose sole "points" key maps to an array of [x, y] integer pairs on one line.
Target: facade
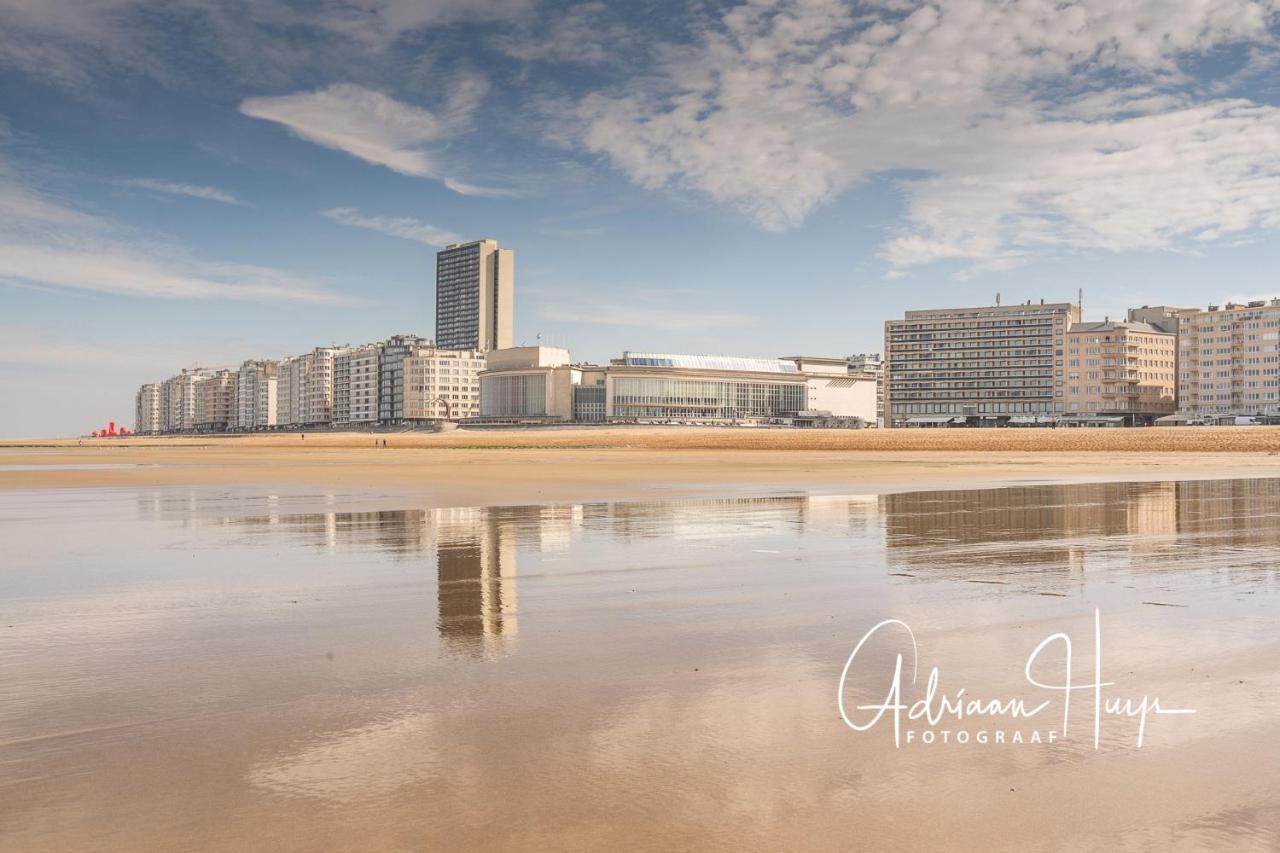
{"points": [[1123, 370], [475, 286], [1229, 359], [255, 398], [147, 410], [290, 395], [538, 384], [355, 385], [871, 366], [984, 365], [317, 386], [391, 375], [524, 383], [441, 385], [213, 401], [178, 400]]}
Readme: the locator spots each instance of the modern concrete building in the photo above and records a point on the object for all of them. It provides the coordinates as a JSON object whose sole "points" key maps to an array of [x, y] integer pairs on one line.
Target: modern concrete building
{"points": [[475, 286], [440, 384], [983, 366], [871, 366], [1229, 359], [538, 384], [290, 395], [256, 390], [1125, 370], [147, 410], [524, 383], [355, 385]]}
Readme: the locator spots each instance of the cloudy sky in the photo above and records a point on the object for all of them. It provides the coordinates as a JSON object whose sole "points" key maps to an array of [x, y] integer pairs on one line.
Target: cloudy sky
{"points": [[202, 181]]}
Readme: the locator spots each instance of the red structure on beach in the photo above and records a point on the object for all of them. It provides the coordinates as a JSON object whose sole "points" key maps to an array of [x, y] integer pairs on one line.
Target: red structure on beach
{"points": [[111, 432]]}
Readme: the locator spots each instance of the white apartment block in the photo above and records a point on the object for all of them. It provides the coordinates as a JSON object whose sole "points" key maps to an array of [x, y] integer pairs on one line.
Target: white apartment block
{"points": [[355, 385], [178, 400], [289, 393], [317, 386], [255, 398], [1229, 359], [147, 418], [440, 384]]}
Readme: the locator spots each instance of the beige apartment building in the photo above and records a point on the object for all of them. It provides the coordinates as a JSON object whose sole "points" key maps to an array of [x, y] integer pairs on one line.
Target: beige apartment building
{"points": [[1229, 359], [475, 296], [986, 365], [178, 400], [213, 401], [441, 384], [355, 385], [317, 386], [1126, 370]]}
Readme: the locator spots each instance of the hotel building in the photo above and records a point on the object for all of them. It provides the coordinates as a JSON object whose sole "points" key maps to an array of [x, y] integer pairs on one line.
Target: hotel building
{"points": [[1124, 370], [475, 284], [539, 384], [984, 366], [1229, 359]]}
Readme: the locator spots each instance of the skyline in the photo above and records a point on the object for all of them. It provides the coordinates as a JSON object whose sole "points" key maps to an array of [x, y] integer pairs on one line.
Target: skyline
{"points": [[213, 182]]}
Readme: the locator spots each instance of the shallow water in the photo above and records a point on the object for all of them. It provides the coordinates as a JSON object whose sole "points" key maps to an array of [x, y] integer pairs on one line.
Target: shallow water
{"points": [[211, 669]]}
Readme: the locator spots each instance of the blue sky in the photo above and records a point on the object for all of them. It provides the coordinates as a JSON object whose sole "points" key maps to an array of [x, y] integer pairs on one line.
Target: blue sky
{"points": [[203, 181]]}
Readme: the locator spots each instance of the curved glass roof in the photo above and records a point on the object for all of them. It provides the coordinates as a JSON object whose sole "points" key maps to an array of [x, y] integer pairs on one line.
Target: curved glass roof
{"points": [[708, 362]]}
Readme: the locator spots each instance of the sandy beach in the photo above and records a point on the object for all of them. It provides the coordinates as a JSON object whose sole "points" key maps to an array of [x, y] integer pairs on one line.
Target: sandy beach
{"points": [[484, 467]]}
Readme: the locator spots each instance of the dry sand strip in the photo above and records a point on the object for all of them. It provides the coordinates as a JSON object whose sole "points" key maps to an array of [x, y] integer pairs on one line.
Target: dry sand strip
{"points": [[514, 466]]}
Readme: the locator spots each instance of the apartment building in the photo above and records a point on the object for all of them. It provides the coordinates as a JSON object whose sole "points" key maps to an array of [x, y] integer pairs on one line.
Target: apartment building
{"points": [[178, 400], [213, 401], [475, 287], [147, 410], [440, 384], [1125, 370], [317, 386], [256, 394], [983, 366], [1229, 359], [391, 375], [290, 394], [355, 385]]}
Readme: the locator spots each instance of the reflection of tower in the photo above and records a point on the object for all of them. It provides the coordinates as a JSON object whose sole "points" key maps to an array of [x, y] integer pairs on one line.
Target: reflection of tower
{"points": [[476, 565]]}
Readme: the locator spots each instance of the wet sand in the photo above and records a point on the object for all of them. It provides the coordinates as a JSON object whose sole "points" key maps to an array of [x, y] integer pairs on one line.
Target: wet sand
{"points": [[247, 645], [530, 466]]}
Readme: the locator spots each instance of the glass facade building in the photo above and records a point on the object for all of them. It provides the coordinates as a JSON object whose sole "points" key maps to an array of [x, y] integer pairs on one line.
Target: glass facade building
{"points": [[692, 398]]}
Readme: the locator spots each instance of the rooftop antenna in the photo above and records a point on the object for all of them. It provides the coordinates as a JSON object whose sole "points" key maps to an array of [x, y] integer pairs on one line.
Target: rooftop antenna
{"points": [[997, 299], [1080, 302]]}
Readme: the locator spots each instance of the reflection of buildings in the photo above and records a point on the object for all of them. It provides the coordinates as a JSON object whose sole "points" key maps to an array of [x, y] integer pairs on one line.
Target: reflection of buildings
{"points": [[476, 567], [1048, 527], [1230, 512]]}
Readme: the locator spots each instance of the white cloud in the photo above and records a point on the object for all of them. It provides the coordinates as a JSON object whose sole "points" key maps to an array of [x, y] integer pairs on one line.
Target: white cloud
{"points": [[405, 227], [358, 121], [139, 270], [191, 190], [381, 130], [1006, 113], [46, 243], [641, 317]]}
